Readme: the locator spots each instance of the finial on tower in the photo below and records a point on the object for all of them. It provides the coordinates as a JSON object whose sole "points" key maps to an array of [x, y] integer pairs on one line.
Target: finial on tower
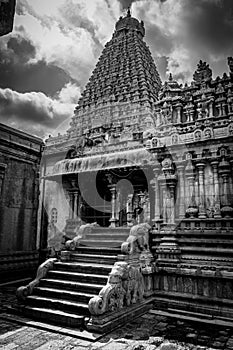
{"points": [[128, 12]]}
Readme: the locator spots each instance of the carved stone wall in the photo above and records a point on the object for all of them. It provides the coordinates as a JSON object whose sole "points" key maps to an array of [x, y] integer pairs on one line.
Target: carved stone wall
{"points": [[20, 156]]}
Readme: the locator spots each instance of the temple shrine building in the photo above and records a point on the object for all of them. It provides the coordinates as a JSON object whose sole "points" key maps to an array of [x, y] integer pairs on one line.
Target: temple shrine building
{"points": [[140, 191]]}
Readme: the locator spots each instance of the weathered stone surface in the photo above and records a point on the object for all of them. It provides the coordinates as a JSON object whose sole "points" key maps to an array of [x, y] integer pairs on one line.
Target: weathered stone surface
{"points": [[20, 154], [7, 11]]}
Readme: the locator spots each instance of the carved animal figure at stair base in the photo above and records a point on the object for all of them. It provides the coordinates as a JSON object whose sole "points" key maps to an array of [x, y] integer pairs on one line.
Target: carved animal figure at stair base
{"points": [[24, 291], [125, 286], [138, 239], [81, 233]]}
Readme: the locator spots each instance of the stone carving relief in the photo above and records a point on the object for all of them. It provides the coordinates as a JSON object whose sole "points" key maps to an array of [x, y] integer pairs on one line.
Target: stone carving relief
{"points": [[23, 292], [124, 287], [138, 239], [80, 234]]}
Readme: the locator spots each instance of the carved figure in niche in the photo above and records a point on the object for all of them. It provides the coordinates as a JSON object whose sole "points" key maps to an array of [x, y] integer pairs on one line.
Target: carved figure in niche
{"points": [[207, 133], [205, 109], [175, 139], [166, 113], [199, 111], [197, 135], [230, 63], [223, 152], [167, 207], [230, 129], [155, 142], [189, 156]]}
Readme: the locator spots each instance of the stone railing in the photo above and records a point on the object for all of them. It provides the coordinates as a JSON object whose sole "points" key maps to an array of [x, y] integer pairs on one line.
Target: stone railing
{"points": [[124, 287], [129, 282], [24, 291]]}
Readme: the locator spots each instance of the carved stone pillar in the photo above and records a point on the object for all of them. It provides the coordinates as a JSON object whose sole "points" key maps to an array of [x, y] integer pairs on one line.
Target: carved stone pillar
{"points": [[113, 219], [217, 211], [168, 250], [71, 205], [179, 113], [211, 109], [224, 170], [190, 175], [180, 169], [155, 186], [76, 204], [129, 210], [2, 174], [172, 204], [202, 212]]}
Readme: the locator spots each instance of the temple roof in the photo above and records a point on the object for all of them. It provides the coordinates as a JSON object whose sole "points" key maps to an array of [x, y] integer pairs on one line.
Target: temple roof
{"points": [[125, 68]]}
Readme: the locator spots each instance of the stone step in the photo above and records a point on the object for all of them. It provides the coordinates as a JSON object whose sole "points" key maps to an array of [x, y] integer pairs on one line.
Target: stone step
{"points": [[54, 316], [206, 250], [77, 308], [93, 257], [101, 243], [109, 236], [63, 294], [99, 250], [71, 285], [111, 230], [100, 269], [79, 277]]}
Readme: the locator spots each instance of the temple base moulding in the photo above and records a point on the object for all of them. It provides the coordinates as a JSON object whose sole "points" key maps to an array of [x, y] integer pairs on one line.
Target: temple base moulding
{"points": [[106, 323]]}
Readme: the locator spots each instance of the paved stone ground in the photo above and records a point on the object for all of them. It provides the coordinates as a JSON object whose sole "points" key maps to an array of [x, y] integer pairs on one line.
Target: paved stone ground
{"points": [[148, 332]]}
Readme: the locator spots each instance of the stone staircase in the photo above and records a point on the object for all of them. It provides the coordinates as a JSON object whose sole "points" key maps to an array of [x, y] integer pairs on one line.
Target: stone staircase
{"points": [[62, 296]]}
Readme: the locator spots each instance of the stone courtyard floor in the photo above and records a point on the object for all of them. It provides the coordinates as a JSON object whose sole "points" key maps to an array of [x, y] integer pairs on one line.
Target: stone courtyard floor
{"points": [[152, 331]]}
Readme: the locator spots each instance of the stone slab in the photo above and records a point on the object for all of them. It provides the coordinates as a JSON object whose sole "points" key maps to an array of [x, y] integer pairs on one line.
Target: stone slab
{"points": [[85, 335], [108, 323]]}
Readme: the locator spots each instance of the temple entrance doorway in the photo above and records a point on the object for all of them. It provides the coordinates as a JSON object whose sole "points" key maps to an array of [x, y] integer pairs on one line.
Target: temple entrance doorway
{"points": [[124, 191]]}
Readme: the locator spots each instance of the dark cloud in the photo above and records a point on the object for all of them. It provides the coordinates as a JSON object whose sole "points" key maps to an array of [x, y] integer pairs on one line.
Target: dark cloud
{"points": [[22, 49], [33, 108], [17, 73], [72, 13], [209, 24]]}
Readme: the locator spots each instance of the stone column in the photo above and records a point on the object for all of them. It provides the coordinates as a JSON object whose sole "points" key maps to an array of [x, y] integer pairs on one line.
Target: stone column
{"points": [[217, 211], [76, 200], [129, 210], [202, 212], [180, 169], [172, 204], [113, 219], [190, 174], [2, 174], [211, 110], [71, 202], [155, 186], [224, 170], [179, 113]]}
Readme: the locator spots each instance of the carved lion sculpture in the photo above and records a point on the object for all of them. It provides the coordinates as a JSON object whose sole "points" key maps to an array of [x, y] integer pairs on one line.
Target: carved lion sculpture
{"points": [[81, 233], [138, 239]]}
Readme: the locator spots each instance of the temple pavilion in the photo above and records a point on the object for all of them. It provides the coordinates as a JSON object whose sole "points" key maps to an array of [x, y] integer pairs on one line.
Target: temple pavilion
{"points": [[140, 185]]}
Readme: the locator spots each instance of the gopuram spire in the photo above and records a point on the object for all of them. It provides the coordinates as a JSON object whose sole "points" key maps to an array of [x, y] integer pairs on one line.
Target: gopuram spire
{"points": [[124, 74]]}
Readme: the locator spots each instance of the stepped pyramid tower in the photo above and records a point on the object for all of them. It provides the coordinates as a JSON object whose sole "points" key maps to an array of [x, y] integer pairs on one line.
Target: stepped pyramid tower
{"points": [[124, 78], [140, 191]]}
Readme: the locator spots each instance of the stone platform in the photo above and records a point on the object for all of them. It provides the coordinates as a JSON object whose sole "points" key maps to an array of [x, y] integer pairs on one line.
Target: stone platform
{"points": [[152, 331]]}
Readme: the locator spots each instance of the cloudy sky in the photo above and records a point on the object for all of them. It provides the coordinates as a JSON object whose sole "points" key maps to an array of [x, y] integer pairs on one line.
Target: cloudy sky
{"points": [[47, 59]]}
